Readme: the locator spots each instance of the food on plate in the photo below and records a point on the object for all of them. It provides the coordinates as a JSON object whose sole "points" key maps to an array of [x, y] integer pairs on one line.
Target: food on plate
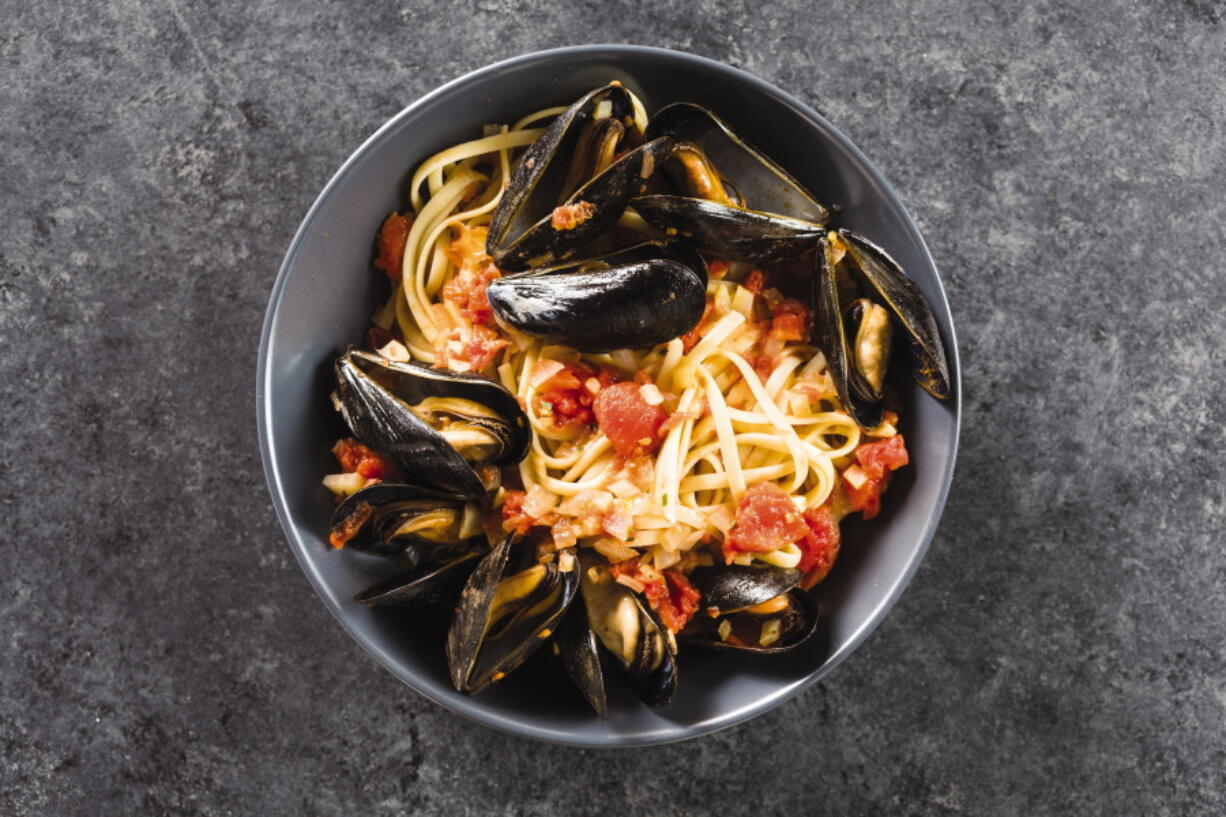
{"points": [[627, 384]]}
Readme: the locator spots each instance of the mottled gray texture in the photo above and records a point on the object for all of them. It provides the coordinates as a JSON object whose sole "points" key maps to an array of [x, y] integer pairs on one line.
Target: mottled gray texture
{"points": [[1059, 652]]}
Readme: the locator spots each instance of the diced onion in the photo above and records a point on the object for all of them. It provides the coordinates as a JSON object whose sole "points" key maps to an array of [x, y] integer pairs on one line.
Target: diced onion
{"points": [[651, 394], [395, 350], [344, 484], [855, 477]]}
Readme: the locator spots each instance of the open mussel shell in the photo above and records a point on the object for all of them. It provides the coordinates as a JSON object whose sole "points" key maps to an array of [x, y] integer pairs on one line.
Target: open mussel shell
{"points": [[509, 607], [634, 298], [790, 621], [725, 232], [522, 231], [761, 182], [733, 201], [729, 588], [389, 517], [580, 654], [837, 329], [631, 635], [436, 580], [436, 425], [898, 293]]}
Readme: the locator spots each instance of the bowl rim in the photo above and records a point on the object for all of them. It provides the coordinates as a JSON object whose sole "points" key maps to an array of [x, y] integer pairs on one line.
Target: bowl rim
{"points": [[470, 710]]}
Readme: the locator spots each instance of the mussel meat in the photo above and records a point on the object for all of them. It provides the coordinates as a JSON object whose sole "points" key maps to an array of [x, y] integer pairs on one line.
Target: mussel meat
{"points": [[734, 202], [568, 187], [859, 294], [447, 430], [508, 609], [389, 517], [633, 298], [630, 633], [750, 609]]}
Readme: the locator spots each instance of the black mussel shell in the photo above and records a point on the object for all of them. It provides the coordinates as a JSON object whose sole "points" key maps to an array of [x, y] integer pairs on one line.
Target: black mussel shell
{"points": [[504, 616], [797, 623], [434, 582], [729, 588], [522, 231], [580, 654], [728, 233], [375, 396], [761, 182], [898, 293], [646, 653], [593, 307], [886, 283], [831, 337], [601, 201], [371, 519]]}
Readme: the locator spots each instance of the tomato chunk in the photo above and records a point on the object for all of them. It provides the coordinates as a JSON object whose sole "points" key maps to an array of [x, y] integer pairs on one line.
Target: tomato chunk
{"points": [[669, 593], [690, 339], [879, 457], [876, 463], [357, 458], [675, 600], [766, 520], [393, 235], [755, 282], [630, 422], [514, 520], [820, 545], [569, 395]]}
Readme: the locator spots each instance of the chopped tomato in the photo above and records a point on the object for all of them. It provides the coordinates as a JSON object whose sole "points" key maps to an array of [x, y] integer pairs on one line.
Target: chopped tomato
{"points": [[514, 520], [755, 282], [877, 462], [879, 457], [766, 520], [690, 339], [820, 545], [569, 395], [467, 290], [570, 216], [669, 593], [630, 422], [393, 235], [677, 603], [717, 268], [357, 458], [378, 337], [789, 320], [465, 350]]}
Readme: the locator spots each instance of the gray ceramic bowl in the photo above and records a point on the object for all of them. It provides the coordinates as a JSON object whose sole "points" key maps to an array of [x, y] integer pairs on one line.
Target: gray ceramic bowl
{"points": [[324, 295]]}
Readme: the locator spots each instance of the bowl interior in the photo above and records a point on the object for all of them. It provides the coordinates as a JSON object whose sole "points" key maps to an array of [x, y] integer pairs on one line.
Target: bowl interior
{"points": [[327, 290]]}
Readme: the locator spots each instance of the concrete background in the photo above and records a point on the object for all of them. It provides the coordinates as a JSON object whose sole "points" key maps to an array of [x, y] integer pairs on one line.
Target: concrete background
{"points": [[1059, 652]]}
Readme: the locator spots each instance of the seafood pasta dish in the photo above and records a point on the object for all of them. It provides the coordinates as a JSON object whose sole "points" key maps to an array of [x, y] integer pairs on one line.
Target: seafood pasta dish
{"points": [[628, 381]]}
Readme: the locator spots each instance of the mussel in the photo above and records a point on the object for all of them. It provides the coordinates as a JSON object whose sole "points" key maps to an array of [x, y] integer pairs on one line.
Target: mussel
{"points": [[750, 609], [734, 202], [859, 295], [447, 430], [389, 517], [508, 609], [629, 633], [636, 297], [435, 539], [569, 186]]}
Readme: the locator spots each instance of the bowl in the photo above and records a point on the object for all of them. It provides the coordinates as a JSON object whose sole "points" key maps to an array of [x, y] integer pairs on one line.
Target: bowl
{"points": [[326, 291]]}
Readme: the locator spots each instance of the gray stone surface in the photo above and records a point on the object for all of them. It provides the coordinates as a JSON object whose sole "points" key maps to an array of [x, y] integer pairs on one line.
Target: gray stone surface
{"points": [[1059, 652]]}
